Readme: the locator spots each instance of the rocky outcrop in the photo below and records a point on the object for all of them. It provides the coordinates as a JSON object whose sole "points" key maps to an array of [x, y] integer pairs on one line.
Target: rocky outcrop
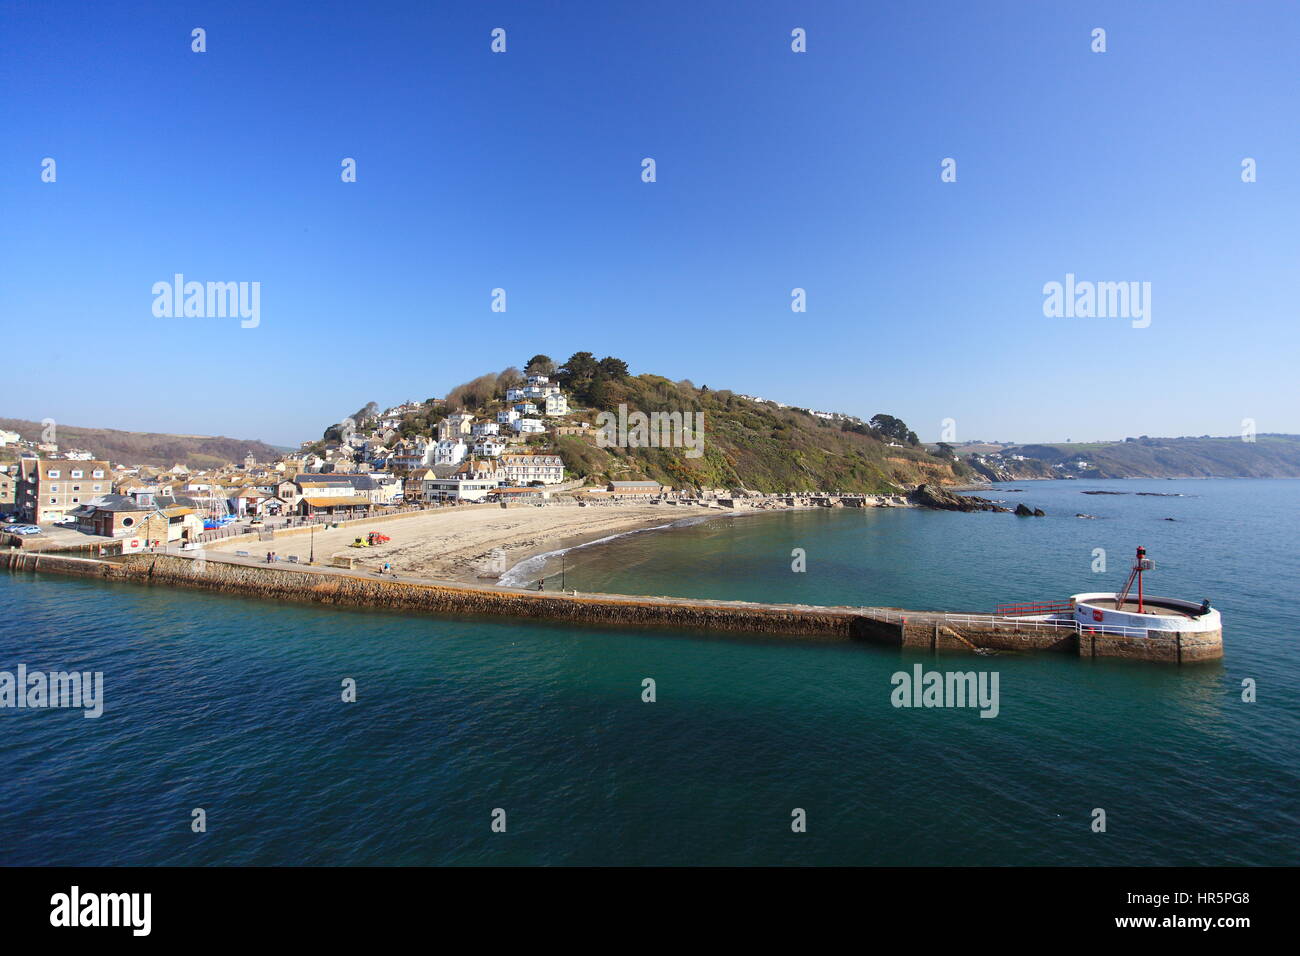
{"points": [[1027, 512], [932, 496]]}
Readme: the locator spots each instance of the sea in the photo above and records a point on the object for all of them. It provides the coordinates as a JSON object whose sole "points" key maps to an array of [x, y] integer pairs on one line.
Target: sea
{"points": [[226, 737]]}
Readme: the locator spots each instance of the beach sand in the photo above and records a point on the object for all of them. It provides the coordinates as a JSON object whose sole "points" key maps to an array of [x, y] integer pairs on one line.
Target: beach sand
{"points": [[472, 544]]}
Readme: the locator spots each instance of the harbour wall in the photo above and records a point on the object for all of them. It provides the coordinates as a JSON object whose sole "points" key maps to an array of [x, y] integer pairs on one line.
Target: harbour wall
{"points": [[920, 631]]}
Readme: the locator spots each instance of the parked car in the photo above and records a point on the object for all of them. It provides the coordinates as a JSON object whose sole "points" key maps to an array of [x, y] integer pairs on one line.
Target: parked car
{"points": [[64, 519], [23, 529]]}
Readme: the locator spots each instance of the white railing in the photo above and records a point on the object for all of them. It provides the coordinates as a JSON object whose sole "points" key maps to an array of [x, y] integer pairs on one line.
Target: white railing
{"points": [[995, 622]]}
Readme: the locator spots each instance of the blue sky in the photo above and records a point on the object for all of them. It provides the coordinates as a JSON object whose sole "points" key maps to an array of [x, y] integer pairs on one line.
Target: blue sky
{"points": [[775, 170]]}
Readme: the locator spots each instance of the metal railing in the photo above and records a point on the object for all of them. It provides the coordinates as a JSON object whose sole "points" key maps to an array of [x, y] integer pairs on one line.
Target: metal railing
{"points": [[995, 622]]}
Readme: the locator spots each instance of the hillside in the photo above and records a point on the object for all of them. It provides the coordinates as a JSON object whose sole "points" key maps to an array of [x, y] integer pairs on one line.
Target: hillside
{"points": [[148, 448], [1269, 456], [754, 446], [747, 444]]}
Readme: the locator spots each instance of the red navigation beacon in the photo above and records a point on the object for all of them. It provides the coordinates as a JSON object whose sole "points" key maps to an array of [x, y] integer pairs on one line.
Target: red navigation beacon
{"points": [[1140, 563]]}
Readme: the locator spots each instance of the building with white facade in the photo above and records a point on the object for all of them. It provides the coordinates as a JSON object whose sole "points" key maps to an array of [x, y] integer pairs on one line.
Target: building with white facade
{"points": [[474, 480], [556, 405], [450, 451], [486, 428], [528, 426], [524, 469]]}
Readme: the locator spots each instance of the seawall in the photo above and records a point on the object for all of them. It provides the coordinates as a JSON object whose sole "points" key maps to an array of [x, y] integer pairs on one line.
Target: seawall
{"points": [[922, 631]]}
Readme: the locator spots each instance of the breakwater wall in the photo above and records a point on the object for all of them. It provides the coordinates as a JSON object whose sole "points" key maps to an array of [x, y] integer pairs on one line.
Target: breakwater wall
{"points": [[919, 631]]}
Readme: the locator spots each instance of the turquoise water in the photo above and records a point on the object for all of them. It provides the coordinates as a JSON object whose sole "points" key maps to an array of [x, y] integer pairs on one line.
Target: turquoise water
{"points": [[233, 705]]}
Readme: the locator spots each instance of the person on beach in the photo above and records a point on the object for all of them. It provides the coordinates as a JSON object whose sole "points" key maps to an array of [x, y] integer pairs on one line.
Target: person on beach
{"points": [[268, 557], [388, 569]]}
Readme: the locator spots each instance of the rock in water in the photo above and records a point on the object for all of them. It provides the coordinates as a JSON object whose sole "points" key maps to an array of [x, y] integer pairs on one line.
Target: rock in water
{"points": [[1023, 511], [932, 496]]}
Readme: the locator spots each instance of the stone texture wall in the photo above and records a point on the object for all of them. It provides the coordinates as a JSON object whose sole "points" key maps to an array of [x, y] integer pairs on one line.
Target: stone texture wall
{"points": [[831, 623]]}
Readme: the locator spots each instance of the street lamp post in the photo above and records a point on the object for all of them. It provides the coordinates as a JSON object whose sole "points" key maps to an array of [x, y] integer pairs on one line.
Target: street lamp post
{"points": [[311, 558]]}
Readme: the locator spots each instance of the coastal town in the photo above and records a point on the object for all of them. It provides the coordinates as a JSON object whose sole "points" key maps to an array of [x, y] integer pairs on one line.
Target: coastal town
{"points": [[406, 461]]}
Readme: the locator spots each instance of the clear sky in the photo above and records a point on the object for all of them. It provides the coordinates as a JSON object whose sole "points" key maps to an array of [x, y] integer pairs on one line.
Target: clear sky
{"points": [[775, 170]]}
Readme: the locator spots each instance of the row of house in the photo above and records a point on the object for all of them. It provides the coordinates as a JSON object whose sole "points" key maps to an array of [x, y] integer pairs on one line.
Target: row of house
{"points": [[479, 479]]}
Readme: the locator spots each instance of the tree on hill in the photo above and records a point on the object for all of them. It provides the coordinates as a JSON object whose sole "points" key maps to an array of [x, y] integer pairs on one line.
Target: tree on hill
{"points": [[887, 426], [590, 380], [511, 378], [472, 394], [610, 367], [539, 365]]}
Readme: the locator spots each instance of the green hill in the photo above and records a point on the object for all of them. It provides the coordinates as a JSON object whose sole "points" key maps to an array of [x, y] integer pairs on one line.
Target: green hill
{"points": [[746, 443], [1268, 456], [147, 448]]}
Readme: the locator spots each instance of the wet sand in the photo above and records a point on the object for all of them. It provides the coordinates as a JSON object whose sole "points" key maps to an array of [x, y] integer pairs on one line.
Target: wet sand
{"points": [[472, 544]]}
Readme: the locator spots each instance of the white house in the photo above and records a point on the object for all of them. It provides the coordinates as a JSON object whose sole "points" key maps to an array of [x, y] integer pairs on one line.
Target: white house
{"points": [[515, 394], [412, 454], [486, 428], [523, 469], [528, 426], [472, 481], [450, 451], [538, 379], [508, 417], [488, 447], [526, 408], [557, 405]]}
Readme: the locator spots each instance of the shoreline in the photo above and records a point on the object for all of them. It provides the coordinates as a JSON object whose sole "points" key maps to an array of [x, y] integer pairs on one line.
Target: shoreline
{"points": [[483, 544]]}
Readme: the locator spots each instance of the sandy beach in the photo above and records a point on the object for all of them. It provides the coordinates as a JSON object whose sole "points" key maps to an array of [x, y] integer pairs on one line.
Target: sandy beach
{"points": [[472, 544]]}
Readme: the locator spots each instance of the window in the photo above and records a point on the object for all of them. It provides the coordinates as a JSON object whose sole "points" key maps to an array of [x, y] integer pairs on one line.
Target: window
{"points": [[55, 489], [127, 522], [97, 473], [76, 487], [52, 473], [76, 473], [96, 487], [76, 501]]}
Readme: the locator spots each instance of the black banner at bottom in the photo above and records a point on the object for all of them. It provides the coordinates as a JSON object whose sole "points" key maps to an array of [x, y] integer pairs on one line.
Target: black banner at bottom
{"points": [[337, 905]]}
